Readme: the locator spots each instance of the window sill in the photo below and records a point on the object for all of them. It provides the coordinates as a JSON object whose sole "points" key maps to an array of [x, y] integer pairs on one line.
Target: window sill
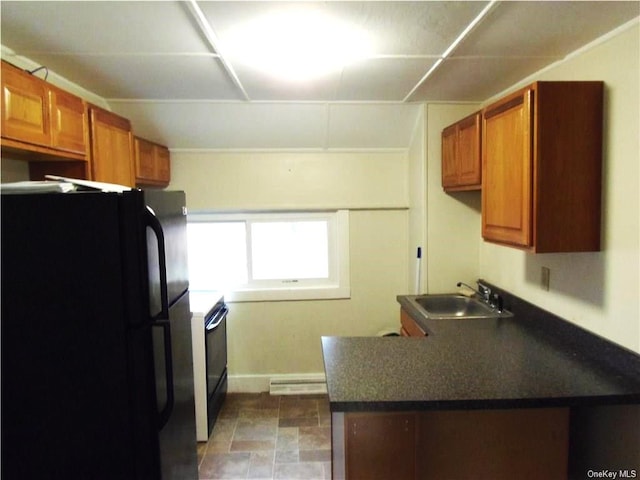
{"points": [[281, 294]]}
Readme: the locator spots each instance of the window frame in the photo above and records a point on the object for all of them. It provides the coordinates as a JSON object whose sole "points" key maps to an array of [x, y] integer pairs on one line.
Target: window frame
{"points": [[337, 286]]}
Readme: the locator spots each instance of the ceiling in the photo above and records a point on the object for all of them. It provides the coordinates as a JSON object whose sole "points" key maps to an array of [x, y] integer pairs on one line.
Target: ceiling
{"points": [[163, 65]]}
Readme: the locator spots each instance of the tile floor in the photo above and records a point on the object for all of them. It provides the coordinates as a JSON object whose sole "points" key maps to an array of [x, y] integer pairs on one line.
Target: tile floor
{"points": [[259, 436]]}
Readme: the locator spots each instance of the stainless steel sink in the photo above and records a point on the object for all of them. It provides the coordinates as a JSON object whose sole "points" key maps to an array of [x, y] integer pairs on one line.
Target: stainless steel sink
{"points": [[454, 306]]}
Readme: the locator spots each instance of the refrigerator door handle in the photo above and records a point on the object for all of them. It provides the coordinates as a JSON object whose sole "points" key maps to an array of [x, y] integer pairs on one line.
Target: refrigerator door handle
{"points": [[154, 224], [165, 413], [162, 320]]}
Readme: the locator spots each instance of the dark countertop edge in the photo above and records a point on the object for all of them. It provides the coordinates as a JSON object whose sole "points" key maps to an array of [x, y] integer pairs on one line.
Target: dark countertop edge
{"points": [[553, 329], [483, 404]]}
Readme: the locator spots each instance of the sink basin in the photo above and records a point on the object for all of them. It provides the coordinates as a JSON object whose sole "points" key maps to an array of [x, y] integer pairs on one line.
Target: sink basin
{"points": [[455, 306]]}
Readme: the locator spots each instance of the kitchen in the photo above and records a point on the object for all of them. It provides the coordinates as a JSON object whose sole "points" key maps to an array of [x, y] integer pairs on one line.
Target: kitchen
{"points": [[393, 210]]}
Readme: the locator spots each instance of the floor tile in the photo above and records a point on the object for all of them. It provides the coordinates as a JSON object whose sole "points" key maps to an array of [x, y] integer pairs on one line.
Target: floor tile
{"points": [[287, 438], [261, 464], [225, 466], [256, 429], [314, 438], [299, 471], [287, 456], [262, 436], [315, 455], [299, 422], [252, 445]]}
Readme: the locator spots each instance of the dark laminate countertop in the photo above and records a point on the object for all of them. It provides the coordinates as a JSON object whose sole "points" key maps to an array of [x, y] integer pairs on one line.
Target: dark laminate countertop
{"points": [[530, 360]]}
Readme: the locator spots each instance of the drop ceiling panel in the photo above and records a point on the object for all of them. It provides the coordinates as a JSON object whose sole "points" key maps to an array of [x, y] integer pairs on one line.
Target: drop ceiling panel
{"points": [[396, 28], [377, 126], [262, 86], [477, 78], [547, 28], [104, 27], [146, 77], [228, 125], [273, 125], [388, 79], [411, 28]]}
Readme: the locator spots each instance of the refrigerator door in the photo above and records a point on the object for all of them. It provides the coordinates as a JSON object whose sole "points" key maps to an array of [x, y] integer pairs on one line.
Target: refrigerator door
{"points": [[174, 385], [170, 210], [77, 382]]}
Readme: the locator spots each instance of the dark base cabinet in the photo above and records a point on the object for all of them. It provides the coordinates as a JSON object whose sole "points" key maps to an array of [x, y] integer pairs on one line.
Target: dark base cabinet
{"points": [[380, 445], [605, 437], [461, 444]]}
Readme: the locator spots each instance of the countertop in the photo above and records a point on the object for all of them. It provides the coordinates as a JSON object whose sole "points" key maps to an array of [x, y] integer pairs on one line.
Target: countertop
{"points": [[201, 301], [529, 360]]}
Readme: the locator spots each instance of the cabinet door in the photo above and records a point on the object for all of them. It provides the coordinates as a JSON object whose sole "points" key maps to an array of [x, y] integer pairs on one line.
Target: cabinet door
{"points": [[25, 115], [163, 165], [493, 444], [507, 170], [68, 121], [468, 151], [152, 163], [380, 446], [461, 166], [449, 157], [111, 148], [409, 326], [144, 160]]}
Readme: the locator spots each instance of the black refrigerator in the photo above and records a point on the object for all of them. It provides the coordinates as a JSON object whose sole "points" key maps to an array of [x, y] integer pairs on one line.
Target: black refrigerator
{"points": [[97, 374]]}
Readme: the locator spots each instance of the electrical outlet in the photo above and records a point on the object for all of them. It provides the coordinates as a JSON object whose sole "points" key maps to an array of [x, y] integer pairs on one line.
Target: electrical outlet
{"points": [[545, 278]]}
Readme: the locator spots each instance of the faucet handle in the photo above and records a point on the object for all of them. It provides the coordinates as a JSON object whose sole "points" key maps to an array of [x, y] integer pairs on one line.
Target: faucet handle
{"points": [[497, 302], [484, 290]]}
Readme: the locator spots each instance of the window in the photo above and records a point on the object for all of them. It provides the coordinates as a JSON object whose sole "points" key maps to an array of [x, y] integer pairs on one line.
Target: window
{"points": [[275, 256]]}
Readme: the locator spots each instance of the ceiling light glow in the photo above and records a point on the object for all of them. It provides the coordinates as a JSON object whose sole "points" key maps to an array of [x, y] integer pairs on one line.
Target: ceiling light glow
{"points": [[296, 46]]}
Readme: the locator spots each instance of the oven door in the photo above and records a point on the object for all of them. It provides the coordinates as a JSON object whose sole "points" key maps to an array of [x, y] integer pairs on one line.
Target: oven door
{"points": [[216, 348]]}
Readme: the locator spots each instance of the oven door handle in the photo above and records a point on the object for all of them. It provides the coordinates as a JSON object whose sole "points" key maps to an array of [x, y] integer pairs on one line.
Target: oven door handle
{"points": [[215, 321], [165, 413]]}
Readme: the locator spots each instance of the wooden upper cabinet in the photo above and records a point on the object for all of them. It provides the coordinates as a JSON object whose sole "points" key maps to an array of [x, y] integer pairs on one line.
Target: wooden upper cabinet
{"points": [[69, 121], [163, 165], [541, 168], [152, 163], [449, 156], [111, 148], [461, 161], [38, 117], [506, 196], [25, 112]]}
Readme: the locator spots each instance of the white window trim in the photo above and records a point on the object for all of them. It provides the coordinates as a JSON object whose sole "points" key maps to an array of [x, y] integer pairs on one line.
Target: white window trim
{"points": [[336, 288]]}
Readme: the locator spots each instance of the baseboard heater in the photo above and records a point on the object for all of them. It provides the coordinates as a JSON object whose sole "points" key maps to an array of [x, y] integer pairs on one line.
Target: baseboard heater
{"points": [[297, 386]]}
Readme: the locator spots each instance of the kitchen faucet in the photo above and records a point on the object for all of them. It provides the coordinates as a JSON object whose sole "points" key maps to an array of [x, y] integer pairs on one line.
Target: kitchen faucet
{"points": [[484, 292]]}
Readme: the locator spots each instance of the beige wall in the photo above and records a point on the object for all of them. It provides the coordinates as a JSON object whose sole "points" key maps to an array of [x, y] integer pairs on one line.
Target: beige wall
{"points": [[14, 170], [268, 338], [598, 291], [291, 179], [417, 172], [453, 219]]}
